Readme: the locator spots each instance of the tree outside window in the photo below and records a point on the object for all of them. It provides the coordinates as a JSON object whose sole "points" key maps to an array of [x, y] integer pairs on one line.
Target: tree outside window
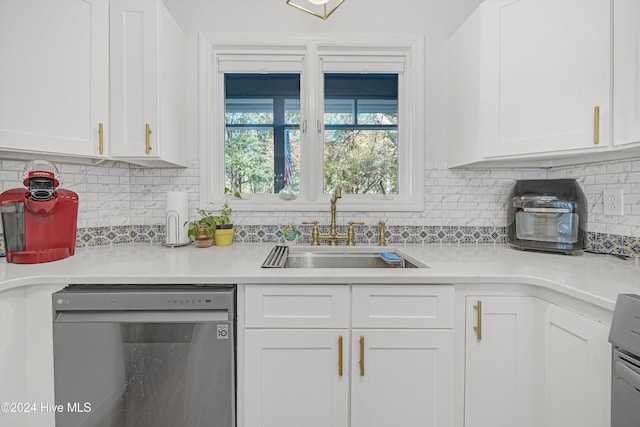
{"points": [[361, 133], [262, 133], [262, 137]]}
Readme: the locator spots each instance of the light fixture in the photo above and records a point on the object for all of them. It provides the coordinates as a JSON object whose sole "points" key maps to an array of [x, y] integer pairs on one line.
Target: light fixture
{"points": [[320, 8]]}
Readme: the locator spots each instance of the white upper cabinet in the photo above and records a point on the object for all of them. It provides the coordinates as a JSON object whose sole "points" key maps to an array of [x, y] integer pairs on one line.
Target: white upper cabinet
{"points": [[626, 72], [92, 79], [54, 77], [529, 78], [148, 99]]}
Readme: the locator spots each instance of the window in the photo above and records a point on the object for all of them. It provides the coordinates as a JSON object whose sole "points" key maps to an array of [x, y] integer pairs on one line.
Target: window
{"points": [[312, 116], [361, 133], [262, 132]]}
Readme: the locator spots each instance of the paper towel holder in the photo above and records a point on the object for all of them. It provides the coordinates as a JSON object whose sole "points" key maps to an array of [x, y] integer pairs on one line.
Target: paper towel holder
{"points": [[175, 218], [171, 229]]}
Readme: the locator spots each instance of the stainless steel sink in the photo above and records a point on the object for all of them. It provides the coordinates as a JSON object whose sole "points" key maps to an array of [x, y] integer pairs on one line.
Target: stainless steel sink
{"points": [[331, 258]]}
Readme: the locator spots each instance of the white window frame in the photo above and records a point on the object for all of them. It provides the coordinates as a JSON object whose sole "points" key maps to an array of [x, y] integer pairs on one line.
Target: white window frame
{"points": [[371, 53]]}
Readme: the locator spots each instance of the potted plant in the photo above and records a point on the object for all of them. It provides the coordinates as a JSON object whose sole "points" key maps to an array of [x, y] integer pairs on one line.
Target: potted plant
{"points": [[224, 227], [202, 230]]}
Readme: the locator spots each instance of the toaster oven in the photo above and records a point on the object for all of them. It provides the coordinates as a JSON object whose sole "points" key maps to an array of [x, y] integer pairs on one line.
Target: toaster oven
{"points": [[547, 215]]}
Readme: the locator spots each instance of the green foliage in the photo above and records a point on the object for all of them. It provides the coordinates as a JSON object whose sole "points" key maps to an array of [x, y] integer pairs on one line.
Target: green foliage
{"points": [[224, 217], [208, 221], [360, 161], [249, 160]]}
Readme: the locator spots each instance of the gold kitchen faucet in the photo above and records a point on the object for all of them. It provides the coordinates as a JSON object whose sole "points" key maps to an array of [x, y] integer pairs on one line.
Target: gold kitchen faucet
{"points": [[333, 237]]}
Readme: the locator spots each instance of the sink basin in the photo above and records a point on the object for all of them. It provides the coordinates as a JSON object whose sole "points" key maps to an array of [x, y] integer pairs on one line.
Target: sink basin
{"points": [[338, 258]]}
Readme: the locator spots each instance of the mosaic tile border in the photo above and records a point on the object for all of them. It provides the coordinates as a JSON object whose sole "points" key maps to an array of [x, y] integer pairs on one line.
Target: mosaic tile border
{"points": [[366, 235], [613, 244], [117, 235]]}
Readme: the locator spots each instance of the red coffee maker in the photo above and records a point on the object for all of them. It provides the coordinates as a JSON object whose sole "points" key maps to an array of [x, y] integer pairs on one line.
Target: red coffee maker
{"points": [[39, 223]]}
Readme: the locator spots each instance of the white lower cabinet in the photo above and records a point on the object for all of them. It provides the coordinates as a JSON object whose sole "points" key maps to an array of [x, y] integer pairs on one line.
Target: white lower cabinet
{"points": [[499, 361], [293, 378], [535, 363], [26, 355], [574, 358], [402, 355], [306, 370], [402, 378]]}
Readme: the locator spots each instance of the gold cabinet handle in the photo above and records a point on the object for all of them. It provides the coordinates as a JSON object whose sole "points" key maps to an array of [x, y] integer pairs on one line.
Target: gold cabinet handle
{"points": [[478, 327], [340, 355], [100, 139], [362, 356], [148, 138], [596, 125]]}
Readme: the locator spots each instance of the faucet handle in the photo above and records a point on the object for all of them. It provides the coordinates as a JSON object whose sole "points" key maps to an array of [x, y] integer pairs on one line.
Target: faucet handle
{"points": [[351, 233], [315, 233], [381, 237]]}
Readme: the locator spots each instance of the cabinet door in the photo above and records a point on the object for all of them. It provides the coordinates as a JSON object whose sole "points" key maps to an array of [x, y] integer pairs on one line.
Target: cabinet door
{"points": [[626, 71], [406, 378], [26, 354], [54, 76], [499, 362], [148, 84], [293, 378], [546, 67], [576, 370], [134, 76]]}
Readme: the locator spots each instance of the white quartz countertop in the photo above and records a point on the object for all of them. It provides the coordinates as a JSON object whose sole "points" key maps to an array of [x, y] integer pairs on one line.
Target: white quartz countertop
{"points": [[596, 279]]}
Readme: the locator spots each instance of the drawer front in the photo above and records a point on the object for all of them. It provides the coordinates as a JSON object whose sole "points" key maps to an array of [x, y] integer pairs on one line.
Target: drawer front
{"points": [[297, 306], [403, 306]]}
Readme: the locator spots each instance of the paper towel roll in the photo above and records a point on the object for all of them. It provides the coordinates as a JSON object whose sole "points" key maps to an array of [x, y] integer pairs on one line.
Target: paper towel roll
{"points": [[177, 208]]}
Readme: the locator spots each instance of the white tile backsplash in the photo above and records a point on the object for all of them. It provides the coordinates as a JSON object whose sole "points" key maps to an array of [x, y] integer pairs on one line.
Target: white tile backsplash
{"points": [[117, 193], [594, 179]]}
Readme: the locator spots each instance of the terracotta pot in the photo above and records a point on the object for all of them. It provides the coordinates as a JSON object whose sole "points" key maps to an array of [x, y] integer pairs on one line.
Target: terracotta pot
{"points": [[203, 242]]}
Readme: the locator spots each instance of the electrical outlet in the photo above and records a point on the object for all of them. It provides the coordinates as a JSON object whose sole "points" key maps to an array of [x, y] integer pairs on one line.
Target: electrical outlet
{"points": [[613, 202]]}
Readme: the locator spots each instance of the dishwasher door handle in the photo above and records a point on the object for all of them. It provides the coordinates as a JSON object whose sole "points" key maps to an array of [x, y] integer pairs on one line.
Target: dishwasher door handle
{"points": [[142, 316]]}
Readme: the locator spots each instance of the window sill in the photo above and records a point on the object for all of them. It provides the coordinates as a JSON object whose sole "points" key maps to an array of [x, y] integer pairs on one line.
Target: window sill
{"points": [[375, 205]]}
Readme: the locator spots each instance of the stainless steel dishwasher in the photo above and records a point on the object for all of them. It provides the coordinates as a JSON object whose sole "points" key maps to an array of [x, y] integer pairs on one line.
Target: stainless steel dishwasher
{"points": [[142, 356], [625, 375]]}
